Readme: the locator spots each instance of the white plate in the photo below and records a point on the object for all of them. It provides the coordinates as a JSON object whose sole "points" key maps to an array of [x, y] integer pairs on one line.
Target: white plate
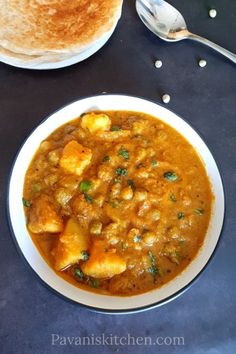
{"points": [[17, 218]]}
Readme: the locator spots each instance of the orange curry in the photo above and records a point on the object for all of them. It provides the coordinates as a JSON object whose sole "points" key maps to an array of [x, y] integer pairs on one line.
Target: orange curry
{"points": [[117, 202]]}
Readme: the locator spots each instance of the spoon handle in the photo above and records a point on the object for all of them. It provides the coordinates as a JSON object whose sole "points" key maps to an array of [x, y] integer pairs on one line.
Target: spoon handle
{"points": [[218, 48]]}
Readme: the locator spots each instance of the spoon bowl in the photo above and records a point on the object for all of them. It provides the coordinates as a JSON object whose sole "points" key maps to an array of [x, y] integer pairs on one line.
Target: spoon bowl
{"points": [[161, 18], [165, 21]]}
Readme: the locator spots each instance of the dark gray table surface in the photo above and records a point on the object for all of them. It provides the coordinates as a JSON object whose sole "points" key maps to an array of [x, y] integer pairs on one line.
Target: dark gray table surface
{"points": [[205, 314]]}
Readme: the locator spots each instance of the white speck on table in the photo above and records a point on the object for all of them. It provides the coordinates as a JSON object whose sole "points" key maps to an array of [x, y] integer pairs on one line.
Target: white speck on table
{"points": [[212, 13], [158, 64], [202, 63], [166, 98]]}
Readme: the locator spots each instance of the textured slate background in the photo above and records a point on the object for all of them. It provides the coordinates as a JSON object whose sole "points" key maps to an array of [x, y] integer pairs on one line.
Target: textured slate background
{"points": [[205, 314]]}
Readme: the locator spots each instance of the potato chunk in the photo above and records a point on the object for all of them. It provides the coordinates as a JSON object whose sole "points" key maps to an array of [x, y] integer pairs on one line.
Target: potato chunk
{"points": [[43, 217], [95, 122], [72, 241], [75, 158], [102, 264]]}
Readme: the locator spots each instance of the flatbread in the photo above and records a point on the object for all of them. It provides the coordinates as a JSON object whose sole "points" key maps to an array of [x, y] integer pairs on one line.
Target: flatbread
{"points": [[30, 60], [45, 27]]}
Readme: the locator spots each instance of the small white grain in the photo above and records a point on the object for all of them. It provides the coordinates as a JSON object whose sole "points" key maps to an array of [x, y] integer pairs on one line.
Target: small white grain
{"points": [[202, 63], [166, 98], [212, 13], [158, 64]]}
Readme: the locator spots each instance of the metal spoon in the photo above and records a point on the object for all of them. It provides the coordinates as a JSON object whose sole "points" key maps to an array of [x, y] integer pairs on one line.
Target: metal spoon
{"points": [[168, 24]]}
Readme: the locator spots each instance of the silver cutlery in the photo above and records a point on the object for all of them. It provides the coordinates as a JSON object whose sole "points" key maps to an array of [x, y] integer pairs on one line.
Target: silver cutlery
{"points": [[166, 22]]}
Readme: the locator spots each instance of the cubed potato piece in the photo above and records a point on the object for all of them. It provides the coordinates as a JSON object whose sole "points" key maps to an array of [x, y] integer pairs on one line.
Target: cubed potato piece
{"points": [[75, 158], [102, 264], [72, 241], [95, 122], [43, 216]]}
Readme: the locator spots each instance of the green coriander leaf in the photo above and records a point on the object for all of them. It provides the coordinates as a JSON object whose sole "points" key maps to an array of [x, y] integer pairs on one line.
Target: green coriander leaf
{"points": [[153, 270], [85, 186], [173, 198], [124, 153], [79, 273], [115, 128], [180, 215], [94, 283], [85, 255], [88, 198], [154, 163], [152, 257], [120, 171], [106, 158], [137, 238], [26, 202], [170, 176]]}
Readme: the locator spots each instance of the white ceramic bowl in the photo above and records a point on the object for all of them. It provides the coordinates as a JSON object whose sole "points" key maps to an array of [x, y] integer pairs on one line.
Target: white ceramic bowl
{"points": [[114, 304]]}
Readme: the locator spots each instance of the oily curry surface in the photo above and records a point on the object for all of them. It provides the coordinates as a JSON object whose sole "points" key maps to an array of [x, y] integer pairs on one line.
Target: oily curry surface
{"points": [[117, 202]]}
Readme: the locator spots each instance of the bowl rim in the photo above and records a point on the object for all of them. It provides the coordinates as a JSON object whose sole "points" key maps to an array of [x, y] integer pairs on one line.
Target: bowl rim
{"points": [[150, 306]]}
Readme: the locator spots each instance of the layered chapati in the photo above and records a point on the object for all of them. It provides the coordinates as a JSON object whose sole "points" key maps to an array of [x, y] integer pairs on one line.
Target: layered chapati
{"points": [[36, 28], [29, 60]]}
